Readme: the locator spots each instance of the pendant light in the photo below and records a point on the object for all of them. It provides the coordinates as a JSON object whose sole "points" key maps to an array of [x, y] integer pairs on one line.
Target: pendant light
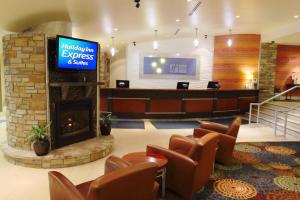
{"points": [[229, 41], [112, 49], [155, 42], [196, 40]]}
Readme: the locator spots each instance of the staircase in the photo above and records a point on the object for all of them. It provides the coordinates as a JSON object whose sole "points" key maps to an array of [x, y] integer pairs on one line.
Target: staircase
{"points": [[284, 116], [267, 116]]}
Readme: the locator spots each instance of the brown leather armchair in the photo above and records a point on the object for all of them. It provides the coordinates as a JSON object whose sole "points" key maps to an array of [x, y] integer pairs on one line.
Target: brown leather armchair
{"points": [[121, 181], [190, 163], [227, 137]]}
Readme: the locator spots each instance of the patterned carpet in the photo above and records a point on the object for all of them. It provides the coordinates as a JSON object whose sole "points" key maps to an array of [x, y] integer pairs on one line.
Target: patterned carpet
{"points": [[259, 171]]}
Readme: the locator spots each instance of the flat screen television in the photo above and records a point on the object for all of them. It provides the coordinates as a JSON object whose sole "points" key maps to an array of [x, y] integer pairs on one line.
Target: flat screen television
{"points": [[122, 83], [213, 85], [183, 85], [76, 54]]}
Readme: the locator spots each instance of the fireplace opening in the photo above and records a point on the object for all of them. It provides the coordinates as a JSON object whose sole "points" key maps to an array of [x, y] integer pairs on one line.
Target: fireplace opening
{"points": [[73, 122]]}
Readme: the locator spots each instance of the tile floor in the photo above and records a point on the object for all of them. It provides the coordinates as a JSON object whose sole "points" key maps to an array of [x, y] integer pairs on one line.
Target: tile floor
{"points": [[27, 183]]}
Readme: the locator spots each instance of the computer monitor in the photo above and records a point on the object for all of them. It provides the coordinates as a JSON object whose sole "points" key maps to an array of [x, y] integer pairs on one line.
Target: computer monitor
{"points": [[183, 85], [122, 83], [213, 85]]}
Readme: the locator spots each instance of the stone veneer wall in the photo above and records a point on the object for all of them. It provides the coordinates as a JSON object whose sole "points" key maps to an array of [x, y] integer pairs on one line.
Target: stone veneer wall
{"points": [[25, 85], [267, 70], [104, 71]]}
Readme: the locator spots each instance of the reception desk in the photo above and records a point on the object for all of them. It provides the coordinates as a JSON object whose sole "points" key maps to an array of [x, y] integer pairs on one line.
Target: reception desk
{"points": [[166, 103]]}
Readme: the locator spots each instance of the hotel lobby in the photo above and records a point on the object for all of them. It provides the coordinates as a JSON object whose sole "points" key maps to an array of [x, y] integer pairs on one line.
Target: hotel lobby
{"points": [[150, 99]]}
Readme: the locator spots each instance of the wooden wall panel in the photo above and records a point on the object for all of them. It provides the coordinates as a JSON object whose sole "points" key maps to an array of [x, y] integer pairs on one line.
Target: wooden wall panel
{"points": [[288, 61], [231, 64]]}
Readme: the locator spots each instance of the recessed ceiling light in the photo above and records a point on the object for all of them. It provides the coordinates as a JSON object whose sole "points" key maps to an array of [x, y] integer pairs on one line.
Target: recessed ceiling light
{"points": [[296, 16], [177, 20], [237, 16], [116, 29], [177, 54], [189, 0]]}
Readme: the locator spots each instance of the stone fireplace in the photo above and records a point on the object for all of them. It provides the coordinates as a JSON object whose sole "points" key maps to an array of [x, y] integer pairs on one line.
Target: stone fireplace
{"points": [[37, 94]]}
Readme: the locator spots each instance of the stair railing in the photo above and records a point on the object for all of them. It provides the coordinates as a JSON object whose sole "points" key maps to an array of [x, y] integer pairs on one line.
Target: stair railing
{"points": [[286, 113], [264, 102]]}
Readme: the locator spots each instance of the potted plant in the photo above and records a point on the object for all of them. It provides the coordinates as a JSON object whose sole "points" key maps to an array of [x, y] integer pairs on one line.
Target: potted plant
{"points": [[105, 123], [40, 139]]}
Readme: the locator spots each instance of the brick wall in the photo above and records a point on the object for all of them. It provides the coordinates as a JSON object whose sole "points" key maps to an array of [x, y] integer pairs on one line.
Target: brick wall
{"points": [[268, 58], [25, 85]]}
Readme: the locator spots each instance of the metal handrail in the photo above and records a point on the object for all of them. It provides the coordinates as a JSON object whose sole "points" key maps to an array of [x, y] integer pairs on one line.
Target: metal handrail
{"points": [[285, 112], [266, 101]]}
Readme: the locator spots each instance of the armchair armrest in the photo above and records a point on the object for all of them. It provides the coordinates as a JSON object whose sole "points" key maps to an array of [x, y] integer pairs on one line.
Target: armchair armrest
{"points": [[200, 132], [214, 127], [226, 140], [180, 169], [61, 188], [225, 148]]}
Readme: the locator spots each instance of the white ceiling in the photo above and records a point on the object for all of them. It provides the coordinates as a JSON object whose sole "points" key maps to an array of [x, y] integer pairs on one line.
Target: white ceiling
{"points": [[96, 19]]}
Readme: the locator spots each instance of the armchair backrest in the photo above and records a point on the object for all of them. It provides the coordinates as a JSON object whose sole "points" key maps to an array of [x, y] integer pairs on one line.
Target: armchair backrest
{"points": [[233, 129], [182, 145], [113, 163], [131, 183], [61, 188]]}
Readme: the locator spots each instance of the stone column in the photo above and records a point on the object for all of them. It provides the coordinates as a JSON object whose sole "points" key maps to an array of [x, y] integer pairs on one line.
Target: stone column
{"points": [[267, 70], [104, 71], [25, 85]]}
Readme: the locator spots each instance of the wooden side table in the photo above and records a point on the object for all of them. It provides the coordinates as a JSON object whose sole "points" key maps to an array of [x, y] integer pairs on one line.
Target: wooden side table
{"points": [[160, 160]]}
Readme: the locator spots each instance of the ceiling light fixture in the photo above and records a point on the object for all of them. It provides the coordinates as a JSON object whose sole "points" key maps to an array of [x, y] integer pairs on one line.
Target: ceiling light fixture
{"points": [[116, 29], [229, 41], [112, 49], [155, 42], [177, 20], [189, 0], [196, 40], [177, 31], [195, 8], [296, 16], [137, 3], [237, 16]]}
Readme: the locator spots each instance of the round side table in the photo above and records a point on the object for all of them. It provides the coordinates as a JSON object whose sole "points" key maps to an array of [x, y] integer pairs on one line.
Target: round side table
{"points": [[160, 160]]}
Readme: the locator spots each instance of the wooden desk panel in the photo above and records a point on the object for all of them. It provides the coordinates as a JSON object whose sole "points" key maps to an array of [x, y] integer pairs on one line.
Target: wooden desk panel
{"points": [[128, 105], [228, 104], [165, 105], [244, 103], [103, 104], [198, 105]]}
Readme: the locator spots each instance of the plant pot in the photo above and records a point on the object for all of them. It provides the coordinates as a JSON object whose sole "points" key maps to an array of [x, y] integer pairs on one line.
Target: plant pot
{"points": [[105, 128], [41, 147]]}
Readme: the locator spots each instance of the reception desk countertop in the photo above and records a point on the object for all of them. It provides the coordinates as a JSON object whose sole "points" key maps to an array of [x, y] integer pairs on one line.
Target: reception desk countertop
{"points": [[172, 103]]}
